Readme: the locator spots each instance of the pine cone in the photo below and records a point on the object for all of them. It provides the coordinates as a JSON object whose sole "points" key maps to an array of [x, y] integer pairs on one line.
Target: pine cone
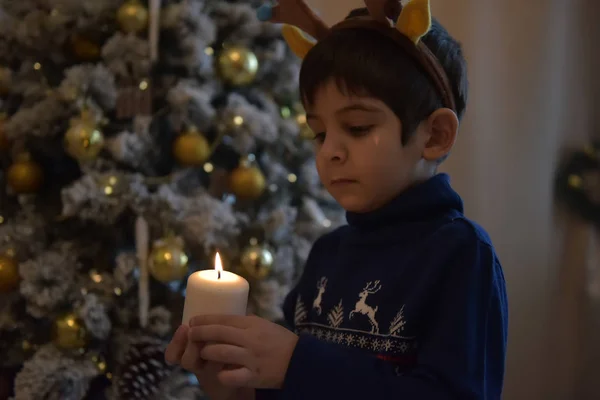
{"points": [[143, 371]]}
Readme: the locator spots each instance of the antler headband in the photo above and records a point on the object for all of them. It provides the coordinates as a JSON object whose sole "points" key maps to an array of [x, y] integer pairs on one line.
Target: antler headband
{"points": [[413, 23]]}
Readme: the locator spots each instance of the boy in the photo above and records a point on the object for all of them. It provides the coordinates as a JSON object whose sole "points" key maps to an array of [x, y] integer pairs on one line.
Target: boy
{"points": [[408, 300]]}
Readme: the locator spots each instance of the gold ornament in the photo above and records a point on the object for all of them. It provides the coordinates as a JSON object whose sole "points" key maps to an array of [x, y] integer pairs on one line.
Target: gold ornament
{"points": [[24, 175], [9, 274], [247, 182], [168, 261], [237, 65], [132, 16], [256, 262], [4, 142], [5, 81], [191, 148], [84, 48], [84, 140], [69, 332]]}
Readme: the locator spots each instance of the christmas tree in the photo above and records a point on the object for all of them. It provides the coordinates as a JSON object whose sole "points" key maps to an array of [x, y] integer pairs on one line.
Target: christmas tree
{"points": [[139, 138]]}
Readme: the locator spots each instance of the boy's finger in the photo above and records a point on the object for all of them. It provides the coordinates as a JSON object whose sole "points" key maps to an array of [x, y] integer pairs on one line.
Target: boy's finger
{"points": [[225, 354], [239, 377], [218, 334], [237, 321], [190, 360], [175, 349]]}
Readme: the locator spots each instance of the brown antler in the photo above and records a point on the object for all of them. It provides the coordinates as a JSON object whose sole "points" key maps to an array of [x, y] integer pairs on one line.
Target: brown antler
{"points": [[297, 13], [381, 10]]}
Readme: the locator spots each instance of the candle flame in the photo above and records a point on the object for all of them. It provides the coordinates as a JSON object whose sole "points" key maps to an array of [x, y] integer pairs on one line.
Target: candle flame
{"points": [[218, 264]]}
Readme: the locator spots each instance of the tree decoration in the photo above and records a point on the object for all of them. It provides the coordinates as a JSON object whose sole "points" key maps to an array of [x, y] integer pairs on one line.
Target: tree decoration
{"points": [[6, 77], [84, 140], [4, 142], [578, 182], [305, 132], [132, 16], [256, 261], [143, 370], [69, 332], [24, 176], [135, 100], [191, 148], [112, 184], [9, 274], [247, 181], [296, 111], [237, 65], [168, 261], [84, 48]]}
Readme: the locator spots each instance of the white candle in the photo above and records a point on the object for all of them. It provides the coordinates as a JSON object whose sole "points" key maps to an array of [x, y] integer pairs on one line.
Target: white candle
{"points": [[215, 292]]}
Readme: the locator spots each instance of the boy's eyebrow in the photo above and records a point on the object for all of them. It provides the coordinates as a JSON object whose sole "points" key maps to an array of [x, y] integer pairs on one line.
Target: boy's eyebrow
{"points": [[351, 107], [358, 107]]}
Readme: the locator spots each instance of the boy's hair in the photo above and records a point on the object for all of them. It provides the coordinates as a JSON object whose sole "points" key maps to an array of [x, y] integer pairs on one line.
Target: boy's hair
{"points": [[365, 62]]}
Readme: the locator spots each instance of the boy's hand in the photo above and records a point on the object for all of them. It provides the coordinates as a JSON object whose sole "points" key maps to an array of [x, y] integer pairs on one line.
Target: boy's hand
{"points": [[181, 352], [258, 350], [176, 348]]}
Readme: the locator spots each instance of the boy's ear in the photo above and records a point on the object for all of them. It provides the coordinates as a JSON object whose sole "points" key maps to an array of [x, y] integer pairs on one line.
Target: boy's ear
{"points": [[442, 127]]}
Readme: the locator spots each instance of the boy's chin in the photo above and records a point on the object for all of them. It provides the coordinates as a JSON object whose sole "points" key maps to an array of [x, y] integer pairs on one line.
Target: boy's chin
{"points": [[354, 203]]}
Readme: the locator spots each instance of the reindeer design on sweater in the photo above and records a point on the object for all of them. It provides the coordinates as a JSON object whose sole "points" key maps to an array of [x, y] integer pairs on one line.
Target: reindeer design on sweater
{"points": [[321, 286], [362, 307]]}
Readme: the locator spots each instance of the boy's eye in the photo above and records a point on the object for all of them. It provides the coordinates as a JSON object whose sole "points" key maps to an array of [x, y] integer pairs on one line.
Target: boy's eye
{"points": [[360, 130], [319, 137]]}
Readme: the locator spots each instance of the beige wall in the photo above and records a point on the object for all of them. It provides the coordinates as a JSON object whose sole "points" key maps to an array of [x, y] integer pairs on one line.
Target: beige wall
{"points": [[530, 89]]}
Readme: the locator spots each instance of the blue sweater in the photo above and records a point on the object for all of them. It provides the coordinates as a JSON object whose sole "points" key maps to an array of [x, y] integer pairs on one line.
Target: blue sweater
{"points": [[407, 302]]}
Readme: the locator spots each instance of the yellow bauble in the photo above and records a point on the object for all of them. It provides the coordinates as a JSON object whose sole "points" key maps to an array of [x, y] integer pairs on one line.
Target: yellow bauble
{"points": [[237, 65], [9, 274], [24, 175], [84, 48], [191, 148], [83, 140], [247, 182], [132, 16], [168, 261], [69, 332], [256, 262]]}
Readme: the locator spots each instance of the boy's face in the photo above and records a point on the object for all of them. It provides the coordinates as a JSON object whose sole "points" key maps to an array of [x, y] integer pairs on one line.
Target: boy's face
{"points": [[359, 154]]}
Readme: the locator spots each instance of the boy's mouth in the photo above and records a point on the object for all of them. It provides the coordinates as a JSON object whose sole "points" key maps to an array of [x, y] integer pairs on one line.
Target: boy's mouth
{"points": [[342, 181]]}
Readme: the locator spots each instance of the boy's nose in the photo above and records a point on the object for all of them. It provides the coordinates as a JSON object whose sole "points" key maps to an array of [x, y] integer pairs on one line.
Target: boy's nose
{"points": [[334, 150]]}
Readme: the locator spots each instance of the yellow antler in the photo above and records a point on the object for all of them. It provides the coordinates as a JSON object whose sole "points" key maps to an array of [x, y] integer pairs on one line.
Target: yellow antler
{"points": [[415, 20], [298, 43]]}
